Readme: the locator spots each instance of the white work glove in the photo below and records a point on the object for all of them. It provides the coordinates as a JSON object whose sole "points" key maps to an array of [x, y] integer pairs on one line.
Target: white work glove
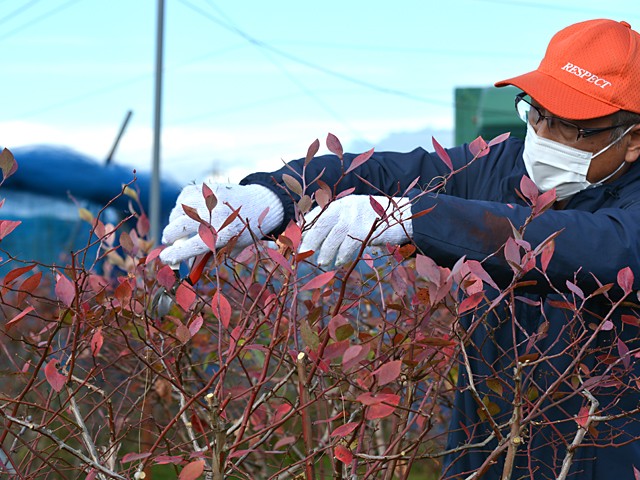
{"points": [[338, 231], [181, 234]]}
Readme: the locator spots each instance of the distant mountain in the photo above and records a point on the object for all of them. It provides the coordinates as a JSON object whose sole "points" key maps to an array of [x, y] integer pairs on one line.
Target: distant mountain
{"points": [[406, 141]]}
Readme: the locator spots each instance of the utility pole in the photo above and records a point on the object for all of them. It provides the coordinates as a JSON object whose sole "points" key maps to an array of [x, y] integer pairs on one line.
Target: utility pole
{"points": [[154, 199]]}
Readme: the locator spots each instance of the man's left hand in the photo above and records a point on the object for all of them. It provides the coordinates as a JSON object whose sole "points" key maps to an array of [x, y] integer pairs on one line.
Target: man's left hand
{"points": [[337, 232]]}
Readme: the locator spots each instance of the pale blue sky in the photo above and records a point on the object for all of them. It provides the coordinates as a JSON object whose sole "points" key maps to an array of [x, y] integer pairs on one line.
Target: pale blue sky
{"points": [[248, 83]]}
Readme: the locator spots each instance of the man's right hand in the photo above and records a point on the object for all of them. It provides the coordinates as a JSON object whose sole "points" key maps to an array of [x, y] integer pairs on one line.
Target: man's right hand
{"points": [[252, 200]]}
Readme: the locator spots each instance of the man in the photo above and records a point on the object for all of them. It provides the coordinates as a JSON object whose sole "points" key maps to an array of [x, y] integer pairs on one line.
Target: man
{"points": [[582, 108]]}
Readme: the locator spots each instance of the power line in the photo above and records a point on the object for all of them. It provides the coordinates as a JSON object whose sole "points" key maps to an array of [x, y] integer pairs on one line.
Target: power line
{"points": [[313, 66], [556, 6], [116, 86], [443, 52], [18, 11], [33, 21], [292, 78]]}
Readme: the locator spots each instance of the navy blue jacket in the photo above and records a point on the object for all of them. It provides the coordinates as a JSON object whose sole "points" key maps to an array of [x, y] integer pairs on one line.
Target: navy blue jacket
{"points": [[600, 235]]}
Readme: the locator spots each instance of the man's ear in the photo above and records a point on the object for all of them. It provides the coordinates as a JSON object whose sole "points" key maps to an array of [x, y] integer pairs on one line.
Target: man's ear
{"points": [[633, 147]]}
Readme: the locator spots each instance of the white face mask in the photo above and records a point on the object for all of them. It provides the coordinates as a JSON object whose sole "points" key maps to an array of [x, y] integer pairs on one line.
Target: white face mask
{"points": [[555, 165]]}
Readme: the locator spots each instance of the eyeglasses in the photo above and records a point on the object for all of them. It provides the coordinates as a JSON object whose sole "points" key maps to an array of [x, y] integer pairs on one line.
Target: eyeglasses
{"points": [[567, 131]]}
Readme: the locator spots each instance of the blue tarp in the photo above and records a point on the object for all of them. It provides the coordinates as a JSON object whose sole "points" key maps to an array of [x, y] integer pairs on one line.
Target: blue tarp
{"points": [[58, 171], [38, 193]]}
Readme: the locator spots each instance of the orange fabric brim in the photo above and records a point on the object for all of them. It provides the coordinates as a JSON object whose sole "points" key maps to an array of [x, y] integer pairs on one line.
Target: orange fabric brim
{"points": [[558, 98]]}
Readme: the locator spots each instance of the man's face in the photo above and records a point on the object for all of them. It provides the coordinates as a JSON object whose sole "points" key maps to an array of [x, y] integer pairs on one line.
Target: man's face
{"points": [[566, 131]]}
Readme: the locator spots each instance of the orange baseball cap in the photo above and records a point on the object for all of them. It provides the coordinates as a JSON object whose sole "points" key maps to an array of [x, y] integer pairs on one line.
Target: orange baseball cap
{"points": [[591, 69]]}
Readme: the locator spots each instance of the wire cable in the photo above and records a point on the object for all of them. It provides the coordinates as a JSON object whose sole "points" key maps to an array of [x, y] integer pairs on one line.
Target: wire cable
{"points": [[33, 21], [292, 78], [313, 66], [18, 11]]}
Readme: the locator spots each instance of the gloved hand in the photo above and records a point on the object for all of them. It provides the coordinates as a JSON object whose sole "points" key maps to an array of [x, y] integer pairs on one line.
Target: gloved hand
{"points": [[252, 201], [338, 232]]}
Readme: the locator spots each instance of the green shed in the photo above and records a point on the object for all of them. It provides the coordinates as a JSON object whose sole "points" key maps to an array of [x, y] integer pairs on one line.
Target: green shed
{"points": [[486, 112]]}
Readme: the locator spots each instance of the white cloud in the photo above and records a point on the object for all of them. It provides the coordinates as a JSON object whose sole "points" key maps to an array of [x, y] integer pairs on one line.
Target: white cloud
{"points": [[192, 152]]}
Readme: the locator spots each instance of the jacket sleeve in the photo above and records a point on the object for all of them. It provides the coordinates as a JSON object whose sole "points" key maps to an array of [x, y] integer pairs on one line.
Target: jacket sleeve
{"points": [[590, 250], [389, 173], [475, 211]]}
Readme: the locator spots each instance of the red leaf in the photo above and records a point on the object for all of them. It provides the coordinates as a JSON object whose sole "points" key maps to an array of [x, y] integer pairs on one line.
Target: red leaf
{"points": [[164, 459], [240, 453], [427, 268], [374, 398], [311, 151], [191, 213], [379, 405], [132, 457], [281, 411], [55, 378], [279, 259], [499, 139], [623, 351], [292, 184], [631, 320], [185, 296], [470, 302], [478, 270], [96, 342], [575, 289], [293, 233], [346, 192], [319, 281], [183, 334], [583, 417], [388, 372], [28, 286], [377, 208], [65, 290], [143, 225], [334, 145], [344, 430], [235, 214], [322, 198], [166, 277], [208, 235], [442, 153], [8, 164], [196, 325], [11, 323], [636, 473], [379, 410], [529, 189], [544, 201], [335, 350], [512, 253], [126, 242], [192, 470], [351, 353], [625, 280], [607, 325], [123, 292], [8, 226], [547, 253], [15, 273], [368, 260], [359, 160], [478, 148], [210, 199], [221, 309], [153, 254], [343, 454]]}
